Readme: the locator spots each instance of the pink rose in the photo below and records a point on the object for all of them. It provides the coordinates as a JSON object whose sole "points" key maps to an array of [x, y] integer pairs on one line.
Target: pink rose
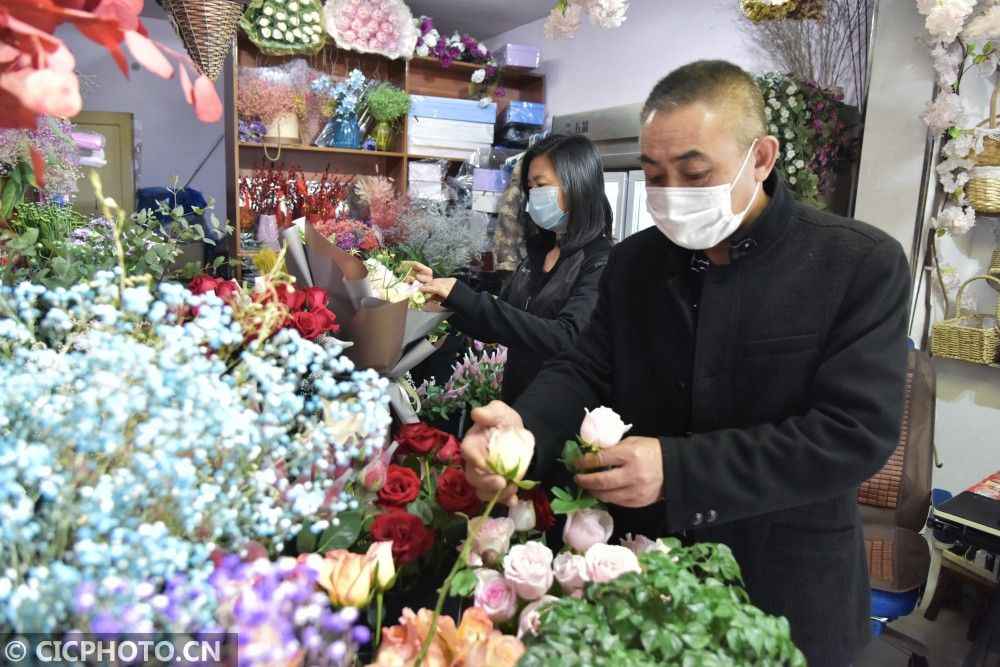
{"points": [[495, 595], [343, 23], [357, 25], [606, 562], [587, 527], [494, 535], [570, 571], [350, 36], [603, 428], [530, 618], [529, 568], [640, 543]]}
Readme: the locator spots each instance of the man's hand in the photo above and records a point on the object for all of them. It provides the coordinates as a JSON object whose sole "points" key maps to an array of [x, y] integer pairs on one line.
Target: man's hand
{"points": [[474, 451], [635, 478]]}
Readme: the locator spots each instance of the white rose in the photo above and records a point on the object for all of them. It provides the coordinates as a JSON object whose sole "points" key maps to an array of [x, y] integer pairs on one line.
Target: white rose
{"points": [[570, 570], [479, 76], [523, 516], [431, 39], [509, 452], [602, 428], [423, 51], [494, 535]]}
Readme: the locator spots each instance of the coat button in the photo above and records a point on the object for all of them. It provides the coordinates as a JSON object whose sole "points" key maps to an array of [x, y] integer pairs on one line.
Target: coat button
{"points": [[711, 516], [696, 519]]}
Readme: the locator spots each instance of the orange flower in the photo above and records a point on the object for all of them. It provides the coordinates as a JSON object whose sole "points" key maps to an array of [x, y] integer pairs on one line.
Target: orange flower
{"points": [[347, 578], [497, 650]]}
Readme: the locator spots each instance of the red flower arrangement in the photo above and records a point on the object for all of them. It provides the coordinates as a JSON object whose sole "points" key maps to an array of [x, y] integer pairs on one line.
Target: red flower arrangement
{"points": [[306, 309], [411, 539]]}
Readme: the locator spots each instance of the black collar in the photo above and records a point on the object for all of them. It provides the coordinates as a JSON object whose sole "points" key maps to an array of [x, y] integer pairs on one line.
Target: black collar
{"points": [[764, 230]]}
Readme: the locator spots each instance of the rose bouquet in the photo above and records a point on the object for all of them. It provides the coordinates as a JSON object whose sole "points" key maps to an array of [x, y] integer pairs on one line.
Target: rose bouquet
{"points": [[384, 27]]}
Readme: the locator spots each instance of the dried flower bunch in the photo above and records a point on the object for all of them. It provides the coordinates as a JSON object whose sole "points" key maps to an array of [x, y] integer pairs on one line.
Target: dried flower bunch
{"points": [[566, 16]]}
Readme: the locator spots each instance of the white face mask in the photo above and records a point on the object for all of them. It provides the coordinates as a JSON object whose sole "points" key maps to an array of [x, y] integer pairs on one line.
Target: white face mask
{"points": [[698, 218]]}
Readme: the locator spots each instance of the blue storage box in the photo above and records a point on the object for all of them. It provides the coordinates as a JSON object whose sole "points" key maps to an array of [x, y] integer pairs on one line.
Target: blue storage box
{"points": [[490, 180], [524, 113], [447, 108]]}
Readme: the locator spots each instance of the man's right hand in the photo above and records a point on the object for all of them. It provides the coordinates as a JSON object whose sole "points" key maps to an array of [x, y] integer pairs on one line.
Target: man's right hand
{"points": [[474, 451]]}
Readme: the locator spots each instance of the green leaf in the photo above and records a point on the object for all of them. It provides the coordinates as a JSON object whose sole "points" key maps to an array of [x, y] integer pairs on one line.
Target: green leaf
{"points": [[570, 453], [306, 541], [561, 506], [422, 510], [463, 584], [343, 535], [7, 199], [561, 493]]}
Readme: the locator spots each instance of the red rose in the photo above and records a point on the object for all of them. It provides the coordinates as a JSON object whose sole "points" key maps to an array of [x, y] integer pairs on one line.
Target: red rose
{"points": [[226, 288], [451, 452], [289, 296], [400, 488], [306, 324], [315, 298], [203, 284], [410, 537], [455, 494], [420, 438], [327, 320], [544, 518]]}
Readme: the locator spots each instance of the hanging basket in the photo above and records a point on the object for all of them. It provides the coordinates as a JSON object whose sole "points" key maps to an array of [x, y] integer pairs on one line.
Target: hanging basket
{"points": [[206, 28], [973, 337], [809, 9], [768, 10], [983, 189]]}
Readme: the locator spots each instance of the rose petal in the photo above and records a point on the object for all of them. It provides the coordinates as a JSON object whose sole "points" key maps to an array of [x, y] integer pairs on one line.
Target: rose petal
{"points": [[144, 50], [186, 86], [207, 105]]}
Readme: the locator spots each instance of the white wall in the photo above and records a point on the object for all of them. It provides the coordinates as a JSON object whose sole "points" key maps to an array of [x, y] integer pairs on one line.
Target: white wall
{"points": [[968, 407], [173, 140], [609, 67]]}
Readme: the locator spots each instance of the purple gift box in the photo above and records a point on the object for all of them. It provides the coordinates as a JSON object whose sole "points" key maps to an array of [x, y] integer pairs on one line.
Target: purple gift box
{"points": [[518, 55], [490, 180]]}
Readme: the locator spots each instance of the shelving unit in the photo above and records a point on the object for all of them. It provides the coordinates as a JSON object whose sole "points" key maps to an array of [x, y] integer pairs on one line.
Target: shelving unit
{"points": [[419, 76]]}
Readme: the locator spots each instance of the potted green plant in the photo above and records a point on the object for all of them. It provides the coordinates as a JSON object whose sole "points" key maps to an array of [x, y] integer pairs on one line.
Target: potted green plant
{"points": [[387, 104]]}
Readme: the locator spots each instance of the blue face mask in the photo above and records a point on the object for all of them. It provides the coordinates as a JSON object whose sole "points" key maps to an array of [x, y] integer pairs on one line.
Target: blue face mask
{"points": [[543, 207]]}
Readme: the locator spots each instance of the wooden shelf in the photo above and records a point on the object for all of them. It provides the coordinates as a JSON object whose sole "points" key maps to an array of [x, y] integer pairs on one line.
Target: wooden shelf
{"points": [[505, 72], [412, 156], [321, 149]]}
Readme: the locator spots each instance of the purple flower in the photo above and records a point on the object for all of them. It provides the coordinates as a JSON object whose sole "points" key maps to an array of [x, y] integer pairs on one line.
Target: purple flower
{"points": [[491, 72], [361, 634], [500, 92]]}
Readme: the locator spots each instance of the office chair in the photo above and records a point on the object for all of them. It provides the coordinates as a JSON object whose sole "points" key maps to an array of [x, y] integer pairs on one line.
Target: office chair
{"points": [[894, 505]]}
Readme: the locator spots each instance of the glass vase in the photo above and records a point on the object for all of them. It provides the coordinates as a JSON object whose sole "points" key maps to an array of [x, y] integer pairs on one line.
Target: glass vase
{"points": [[346, 132], [382, 135]]}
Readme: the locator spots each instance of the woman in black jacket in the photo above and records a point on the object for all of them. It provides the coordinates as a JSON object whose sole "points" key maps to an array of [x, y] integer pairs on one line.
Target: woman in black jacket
{"points": [[552, 294]]}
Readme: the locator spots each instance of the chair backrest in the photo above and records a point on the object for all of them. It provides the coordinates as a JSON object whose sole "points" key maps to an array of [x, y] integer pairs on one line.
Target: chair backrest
{"points": [[900, 493]]}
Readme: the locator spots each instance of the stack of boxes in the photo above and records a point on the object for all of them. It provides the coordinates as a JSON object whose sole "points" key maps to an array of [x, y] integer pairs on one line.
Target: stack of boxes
{"points": [[449, 128], [488, 186], [520, 121]]}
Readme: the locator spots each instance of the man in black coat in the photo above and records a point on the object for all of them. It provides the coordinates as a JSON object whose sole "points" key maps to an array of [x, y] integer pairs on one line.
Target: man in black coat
{"points": [[758, 347]]}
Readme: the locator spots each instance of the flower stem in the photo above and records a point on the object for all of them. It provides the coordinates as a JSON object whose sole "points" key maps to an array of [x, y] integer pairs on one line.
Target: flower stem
{"points": [[463, 558], [378, 619]]}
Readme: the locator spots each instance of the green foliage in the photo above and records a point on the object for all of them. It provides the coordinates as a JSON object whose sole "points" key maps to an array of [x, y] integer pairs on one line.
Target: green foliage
{"points": [[387, 103], [56, 246], [564, 502], [686, 608]]}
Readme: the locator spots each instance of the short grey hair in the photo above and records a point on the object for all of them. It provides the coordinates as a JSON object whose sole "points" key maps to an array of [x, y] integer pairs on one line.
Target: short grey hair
{"points": [[718, 84]]}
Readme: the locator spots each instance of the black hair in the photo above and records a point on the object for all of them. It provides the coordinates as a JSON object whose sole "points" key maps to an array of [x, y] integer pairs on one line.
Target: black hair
{"points": [[581, 172]]}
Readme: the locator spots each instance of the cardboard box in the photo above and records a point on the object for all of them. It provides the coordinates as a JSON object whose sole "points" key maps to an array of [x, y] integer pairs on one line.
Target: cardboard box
{"points": [[521, 56], [423, 127], [486, 202], [490, 180], [448, 108], [452, 150]]}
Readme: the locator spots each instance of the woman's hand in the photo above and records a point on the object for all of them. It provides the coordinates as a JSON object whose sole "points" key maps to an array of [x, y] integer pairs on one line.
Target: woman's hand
{"points": [[438, 288], [420, 273]]}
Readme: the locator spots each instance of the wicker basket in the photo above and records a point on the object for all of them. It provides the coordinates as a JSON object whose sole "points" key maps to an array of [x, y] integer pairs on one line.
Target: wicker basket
{"points": [[974, 337], [990, 155], [983, 189], [206, 28], [994, 269]]}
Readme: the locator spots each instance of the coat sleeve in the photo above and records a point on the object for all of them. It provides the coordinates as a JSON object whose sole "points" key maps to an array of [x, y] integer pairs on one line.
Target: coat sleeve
{"points": [[495, 321], [849, 429], [552, 406]]}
